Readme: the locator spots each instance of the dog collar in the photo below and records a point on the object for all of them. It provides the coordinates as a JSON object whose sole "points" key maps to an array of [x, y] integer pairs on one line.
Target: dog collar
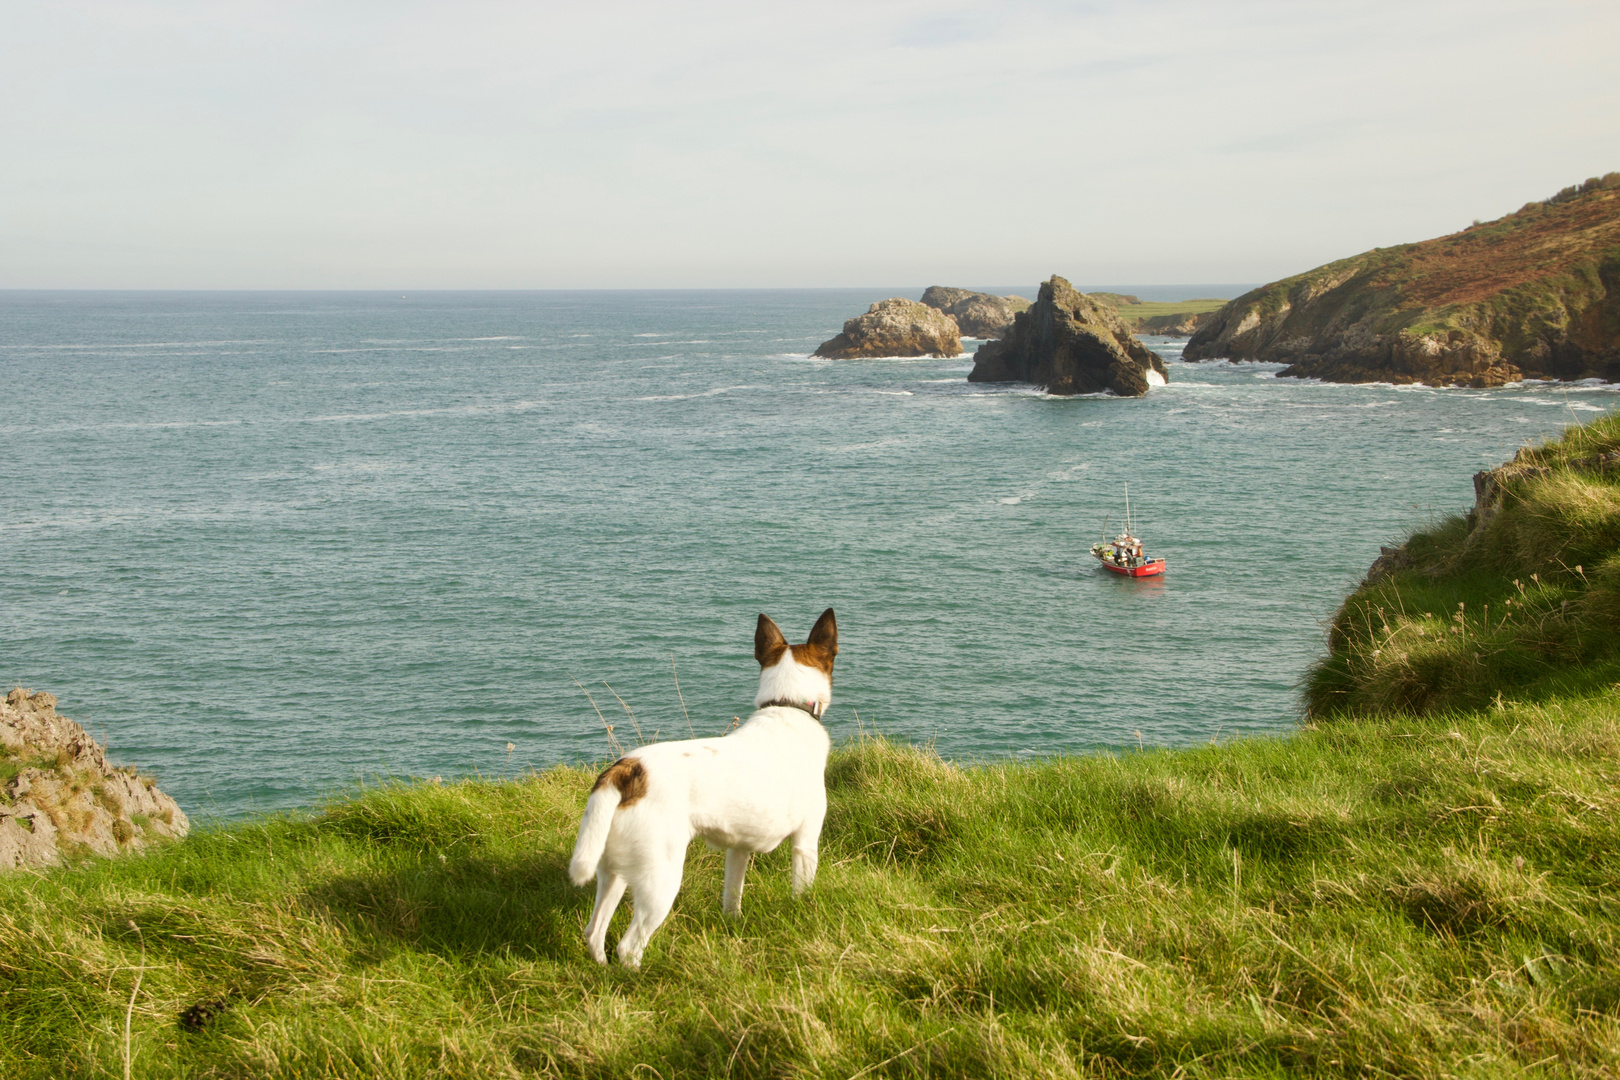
{"points": [[814, 708]]}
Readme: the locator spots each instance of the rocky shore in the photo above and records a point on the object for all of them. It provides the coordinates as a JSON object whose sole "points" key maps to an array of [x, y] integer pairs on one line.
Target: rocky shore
{"points": [[977, 314], [1533, 295], [59, 797], [895, 327], [1070, 344]]}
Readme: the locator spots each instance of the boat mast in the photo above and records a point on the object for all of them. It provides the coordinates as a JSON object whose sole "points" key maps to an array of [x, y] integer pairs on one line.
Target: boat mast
{"points": [[1128, 507]]}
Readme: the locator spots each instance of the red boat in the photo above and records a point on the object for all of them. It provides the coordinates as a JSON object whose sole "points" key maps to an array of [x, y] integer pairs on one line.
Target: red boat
{"points": [[1124, 556]]}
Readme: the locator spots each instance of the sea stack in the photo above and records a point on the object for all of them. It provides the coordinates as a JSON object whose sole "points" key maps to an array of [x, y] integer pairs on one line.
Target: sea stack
{"points": [[1069, 344], [977, 314], [895, 327]]}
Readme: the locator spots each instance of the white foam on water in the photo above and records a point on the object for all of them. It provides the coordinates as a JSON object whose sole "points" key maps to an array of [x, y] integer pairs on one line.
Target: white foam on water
{"points": [[1154, 378], [715, 392]]}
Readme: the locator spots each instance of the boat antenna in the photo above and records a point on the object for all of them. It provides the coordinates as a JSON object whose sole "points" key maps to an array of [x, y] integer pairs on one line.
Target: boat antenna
{"points": [[1127, 506]]}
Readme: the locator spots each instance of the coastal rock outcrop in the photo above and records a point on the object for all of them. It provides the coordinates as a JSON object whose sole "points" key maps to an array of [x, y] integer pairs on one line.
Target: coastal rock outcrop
{"points": [[977, 314], [1179, 324], [59, 797], [895, 327], [1535, 294], [1070, 344]]}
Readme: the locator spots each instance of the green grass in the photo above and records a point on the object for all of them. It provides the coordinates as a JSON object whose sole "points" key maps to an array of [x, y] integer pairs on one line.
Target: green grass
{"points": [[1402, 896], [1423, 882], [1524, 602], [1141, 310]]}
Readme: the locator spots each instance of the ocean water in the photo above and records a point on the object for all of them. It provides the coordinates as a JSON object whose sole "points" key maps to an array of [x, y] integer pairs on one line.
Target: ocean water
{"points": [[267, 545]]}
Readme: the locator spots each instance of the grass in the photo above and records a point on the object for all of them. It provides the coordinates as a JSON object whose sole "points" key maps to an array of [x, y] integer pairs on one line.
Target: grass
{"points": [[1401, 896], [1410, 885], [1522, 600], [1136, 313]]}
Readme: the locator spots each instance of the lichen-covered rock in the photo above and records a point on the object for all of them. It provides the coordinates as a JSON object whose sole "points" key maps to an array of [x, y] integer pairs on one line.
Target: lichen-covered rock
{"points": [[59, 797], [895, 327], [1070, 344], [977, 314]]}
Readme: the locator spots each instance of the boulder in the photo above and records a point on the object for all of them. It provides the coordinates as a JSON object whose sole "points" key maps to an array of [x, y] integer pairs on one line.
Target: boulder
{"points": [[895, 327], [62, 798], [977, 314], [1070, 344]]}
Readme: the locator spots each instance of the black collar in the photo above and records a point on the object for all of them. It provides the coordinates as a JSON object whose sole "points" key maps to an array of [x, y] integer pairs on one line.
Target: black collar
{"points": [[814, 708]]}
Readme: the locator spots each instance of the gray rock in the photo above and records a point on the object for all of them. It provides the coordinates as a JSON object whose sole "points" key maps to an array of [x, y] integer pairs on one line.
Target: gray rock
{"points": [[1070, 344], [65, 799], [977, 314], [895, 327]]}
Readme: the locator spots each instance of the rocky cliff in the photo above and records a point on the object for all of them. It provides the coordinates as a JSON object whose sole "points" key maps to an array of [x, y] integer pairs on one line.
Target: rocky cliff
{"points": [[895, 327], [977, 314], [1535, 294], [1070, 344], [59, 798]]}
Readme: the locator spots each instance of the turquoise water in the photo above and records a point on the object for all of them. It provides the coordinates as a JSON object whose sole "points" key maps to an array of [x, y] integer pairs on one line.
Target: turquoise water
{"points": [[265, 544]]}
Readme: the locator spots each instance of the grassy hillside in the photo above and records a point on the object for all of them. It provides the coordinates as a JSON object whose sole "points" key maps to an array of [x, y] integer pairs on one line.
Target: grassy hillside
{"points": [[1401, 896], [1532, 293], [1137, 312], [1520, 598]]}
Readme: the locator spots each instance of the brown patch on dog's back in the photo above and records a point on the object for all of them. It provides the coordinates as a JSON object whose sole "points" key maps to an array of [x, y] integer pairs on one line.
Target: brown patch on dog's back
{"points": [[628, 776]]}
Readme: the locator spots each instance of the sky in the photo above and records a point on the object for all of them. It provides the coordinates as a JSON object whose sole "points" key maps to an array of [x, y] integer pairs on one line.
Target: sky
{"points": [[481, 145]]}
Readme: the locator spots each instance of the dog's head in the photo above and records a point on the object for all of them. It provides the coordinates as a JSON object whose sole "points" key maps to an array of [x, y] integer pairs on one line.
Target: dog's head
{"points": [[801, 674]]}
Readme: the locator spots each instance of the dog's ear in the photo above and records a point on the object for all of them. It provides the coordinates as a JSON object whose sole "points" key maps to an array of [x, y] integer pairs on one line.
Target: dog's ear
{"points": [[825, 633], [769, 644]]}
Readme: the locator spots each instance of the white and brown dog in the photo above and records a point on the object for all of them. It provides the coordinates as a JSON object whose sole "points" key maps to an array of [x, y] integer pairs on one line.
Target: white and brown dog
{"points": [[744, 792]]}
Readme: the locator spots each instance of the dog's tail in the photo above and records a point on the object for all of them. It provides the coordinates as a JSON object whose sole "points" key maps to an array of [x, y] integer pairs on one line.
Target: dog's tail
{"points": [[593, 833], [621, 784]]}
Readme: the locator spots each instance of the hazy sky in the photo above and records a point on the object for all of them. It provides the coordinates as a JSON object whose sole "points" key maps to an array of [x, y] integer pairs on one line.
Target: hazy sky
{"points": [[537, 145]]}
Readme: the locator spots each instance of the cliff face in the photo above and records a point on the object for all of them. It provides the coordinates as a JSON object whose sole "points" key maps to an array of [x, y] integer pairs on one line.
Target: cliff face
{"points": [[895, 327], [1070, 344], [60, 797], [977, 314], [1535, 294]]}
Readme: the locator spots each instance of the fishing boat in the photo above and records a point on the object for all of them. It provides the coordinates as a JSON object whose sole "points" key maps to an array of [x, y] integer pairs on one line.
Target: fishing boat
{"points": [[1124, 555]]}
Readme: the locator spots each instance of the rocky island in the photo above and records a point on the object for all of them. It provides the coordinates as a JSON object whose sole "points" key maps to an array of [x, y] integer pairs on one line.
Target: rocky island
{"points": [[977, 314], [895, 327], [1535, 294], [1069, 343], [59, 798]]}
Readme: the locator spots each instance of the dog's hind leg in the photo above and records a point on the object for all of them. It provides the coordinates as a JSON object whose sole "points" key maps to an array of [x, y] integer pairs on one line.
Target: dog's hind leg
{"points": [[736, 870], [655, 893], [804, 855], [609, 888]]}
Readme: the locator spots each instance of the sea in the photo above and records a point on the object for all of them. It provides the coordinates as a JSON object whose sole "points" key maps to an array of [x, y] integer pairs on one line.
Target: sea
{"points": [[274, 546]]}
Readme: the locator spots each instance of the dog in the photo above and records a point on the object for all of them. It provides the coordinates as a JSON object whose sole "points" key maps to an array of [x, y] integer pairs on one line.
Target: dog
{"points": [[744, 792]]}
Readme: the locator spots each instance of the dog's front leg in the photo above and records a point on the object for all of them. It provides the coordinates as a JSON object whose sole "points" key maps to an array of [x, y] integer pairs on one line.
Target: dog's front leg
{"points": [[736, 869]]}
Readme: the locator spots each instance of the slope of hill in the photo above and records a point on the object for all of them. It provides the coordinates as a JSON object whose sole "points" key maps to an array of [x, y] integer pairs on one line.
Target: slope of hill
{"points": [[1535, 294], [1519, 597]]}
